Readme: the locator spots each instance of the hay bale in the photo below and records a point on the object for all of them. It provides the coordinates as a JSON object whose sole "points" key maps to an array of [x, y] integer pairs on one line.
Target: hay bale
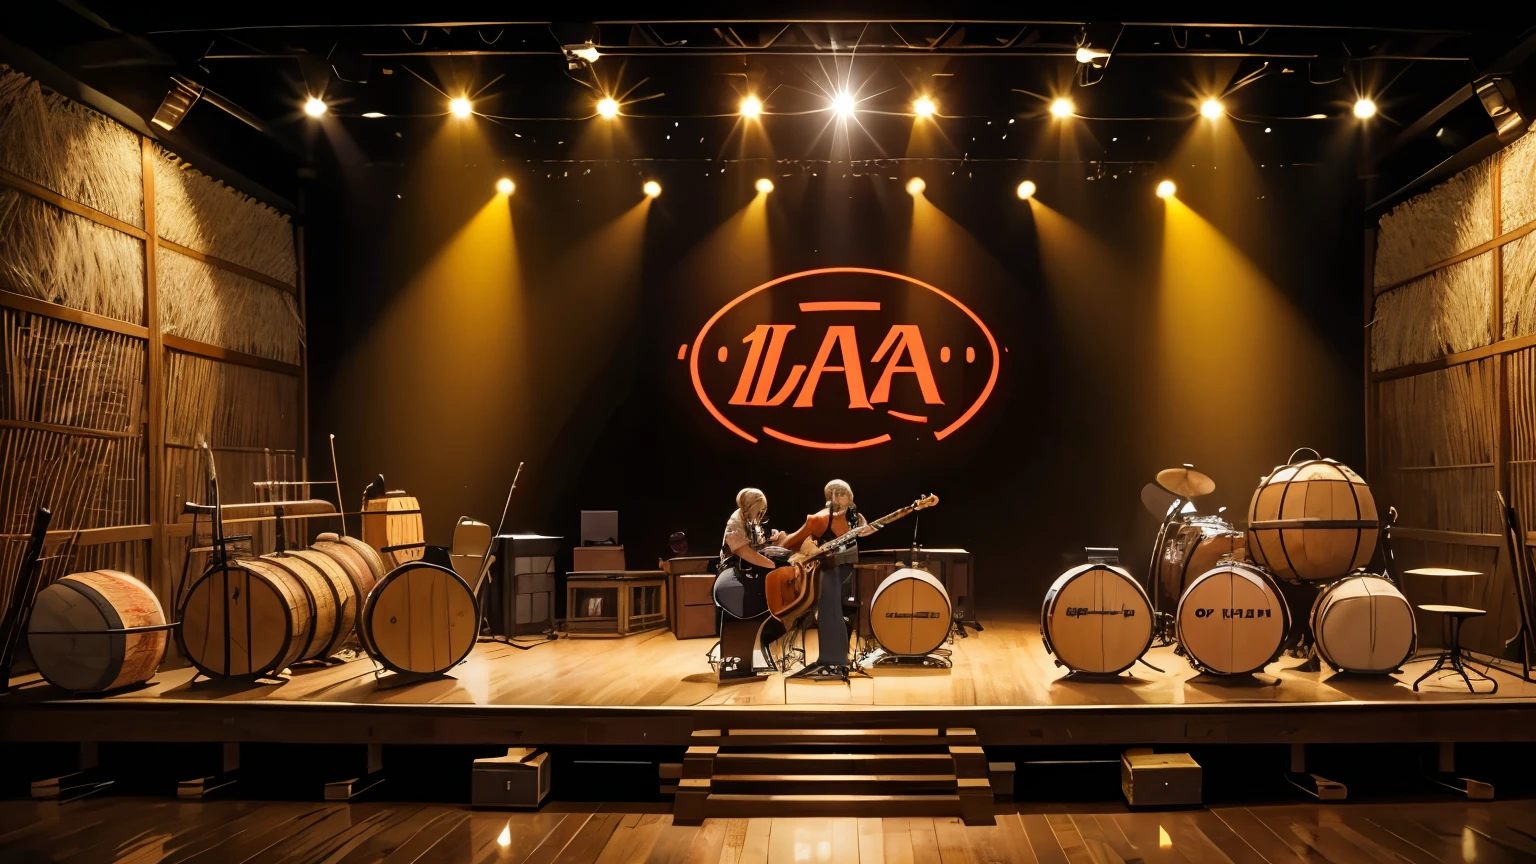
{"points": [[74, 151], [201, 213], [1517, 190], [202, 302], [70, 375], [56, 256], [1442, 313], [1520, 287], [1439, 224]]}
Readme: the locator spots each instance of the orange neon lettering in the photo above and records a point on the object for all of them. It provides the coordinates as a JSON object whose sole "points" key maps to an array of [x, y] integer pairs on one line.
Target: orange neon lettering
{"points": [[908, 338], [775, 334], [843, 337]]}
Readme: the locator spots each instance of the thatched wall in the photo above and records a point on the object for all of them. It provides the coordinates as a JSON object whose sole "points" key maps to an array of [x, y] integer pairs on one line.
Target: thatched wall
{"points": [[1437, 441], [54, 255], [1517, 190], [200, 213], [1442, 313], [202, 302], [1451, 218]]}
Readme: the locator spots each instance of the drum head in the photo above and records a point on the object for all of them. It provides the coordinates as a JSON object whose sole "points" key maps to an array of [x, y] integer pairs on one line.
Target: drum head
{"points": [[1232, 620], [1097, 619], [235, 620], [1364, 624], [910, 613], [420, 618]]}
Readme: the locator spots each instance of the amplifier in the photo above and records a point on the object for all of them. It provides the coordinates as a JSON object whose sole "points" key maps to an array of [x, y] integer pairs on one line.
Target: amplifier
{"points": [[523, 584]]}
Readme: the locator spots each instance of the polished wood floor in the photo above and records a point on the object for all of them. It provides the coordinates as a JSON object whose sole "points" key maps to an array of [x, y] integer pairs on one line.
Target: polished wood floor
{"points": [[147, 831], [1004, 666]]}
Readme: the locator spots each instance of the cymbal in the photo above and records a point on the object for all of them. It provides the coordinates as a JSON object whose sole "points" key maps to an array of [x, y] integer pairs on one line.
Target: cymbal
{"points": [[1156, 499], [1185, 482]]}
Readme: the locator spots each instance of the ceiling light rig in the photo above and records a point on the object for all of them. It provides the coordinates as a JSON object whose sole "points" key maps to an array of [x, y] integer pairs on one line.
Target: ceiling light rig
{"points": [[505, 186], [461, 107], [1365, 108], [1088, 55], [764, 185], [1026, 190], [1212, 108], [924, 107], [651, 188], [915, 186], [1062, 108], [314, 106], [608, 108], [843, 104], [751, 107], [1166, 189]]}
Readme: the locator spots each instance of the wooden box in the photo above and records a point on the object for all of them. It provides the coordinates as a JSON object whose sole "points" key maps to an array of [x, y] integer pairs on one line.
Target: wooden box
{"points": [[1159, 779], [518, 780], [615, 604], [597, 558], [690, 590]]}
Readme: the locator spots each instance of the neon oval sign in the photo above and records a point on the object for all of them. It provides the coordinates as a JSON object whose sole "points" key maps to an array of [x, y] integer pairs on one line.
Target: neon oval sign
{"points": [[838, 358]]}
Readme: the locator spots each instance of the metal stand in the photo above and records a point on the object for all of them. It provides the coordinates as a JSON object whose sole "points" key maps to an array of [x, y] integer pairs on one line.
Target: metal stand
{"points": [[1162, 622], [1318, 787], [373, 776], [1451, 658], [228, 774], [1445, 775], [86, 780]]}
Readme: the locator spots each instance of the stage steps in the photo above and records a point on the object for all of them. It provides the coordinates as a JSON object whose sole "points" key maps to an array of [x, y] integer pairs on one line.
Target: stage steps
{"points": [[740, 773]]}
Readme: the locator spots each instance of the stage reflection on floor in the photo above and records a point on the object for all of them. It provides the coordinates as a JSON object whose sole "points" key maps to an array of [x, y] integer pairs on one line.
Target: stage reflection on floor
{"points": [[1004, 666]]}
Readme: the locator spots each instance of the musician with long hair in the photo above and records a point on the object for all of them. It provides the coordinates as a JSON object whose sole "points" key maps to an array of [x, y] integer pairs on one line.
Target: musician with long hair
{"points": [[838, 517], [745, 627]]}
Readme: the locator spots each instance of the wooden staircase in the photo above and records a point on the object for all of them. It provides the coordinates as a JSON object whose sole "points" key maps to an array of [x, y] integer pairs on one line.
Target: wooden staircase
{"points": [[738, 773]]}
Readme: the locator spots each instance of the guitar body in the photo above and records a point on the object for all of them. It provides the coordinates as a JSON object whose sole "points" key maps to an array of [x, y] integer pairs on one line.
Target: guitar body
{"points": [[791, 590]]}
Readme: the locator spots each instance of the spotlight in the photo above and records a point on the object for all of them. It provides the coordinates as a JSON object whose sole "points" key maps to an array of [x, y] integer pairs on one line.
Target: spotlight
{"points": [[924, 107], [652, 188], [505, 186], [1166, 189], [1365, 108], [915, 186], [765, 185], [1211, 109], [1026, 190], [373, 115], [183, 95], [1088, 55], [608, 108], [314, 106], [461, 107], [751, 107], [843, 104], [587, 52], [1062, 108]]}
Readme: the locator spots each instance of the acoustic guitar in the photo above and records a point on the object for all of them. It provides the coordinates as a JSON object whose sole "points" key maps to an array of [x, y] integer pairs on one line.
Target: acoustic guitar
{"points": [[788, 588]]}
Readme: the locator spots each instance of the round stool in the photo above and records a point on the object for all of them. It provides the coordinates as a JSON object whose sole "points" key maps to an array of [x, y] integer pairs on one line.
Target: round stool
{"points": [[1450, 656]]}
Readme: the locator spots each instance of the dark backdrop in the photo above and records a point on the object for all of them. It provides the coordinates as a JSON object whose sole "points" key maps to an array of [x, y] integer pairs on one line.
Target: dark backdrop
{"points": [[453, 333]]}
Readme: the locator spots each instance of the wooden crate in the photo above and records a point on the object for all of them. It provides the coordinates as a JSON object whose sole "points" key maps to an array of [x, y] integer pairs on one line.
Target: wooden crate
{"points": [[615, 604]]}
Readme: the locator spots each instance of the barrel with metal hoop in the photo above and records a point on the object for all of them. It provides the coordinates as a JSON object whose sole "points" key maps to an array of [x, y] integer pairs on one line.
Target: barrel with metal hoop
{"points": [[246, 617], [1232, 620], [392, 525], [1312, 520], [910, 613], [360, 561], [97, 631], [420, 619], [331, 596], [739, 589], [1363, 623], [1096, 619]]}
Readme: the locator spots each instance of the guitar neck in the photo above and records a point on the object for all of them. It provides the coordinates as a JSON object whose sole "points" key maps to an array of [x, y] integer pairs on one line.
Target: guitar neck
{"points": [[833, 546]]}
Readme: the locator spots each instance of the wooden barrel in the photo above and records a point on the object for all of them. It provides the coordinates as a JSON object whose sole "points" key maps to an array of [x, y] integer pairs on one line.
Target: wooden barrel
{"points": [[90, 661], [1312, 520], [420, 618], [1364, 624], [248, 617], [331, 596], [910, 613], [392, 525], [362, 562], [1232, 620], [1096, 619]]}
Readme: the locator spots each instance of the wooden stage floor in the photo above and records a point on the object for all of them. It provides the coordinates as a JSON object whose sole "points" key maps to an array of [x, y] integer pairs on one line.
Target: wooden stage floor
{"points": [[1001, 678], [147, 831]]}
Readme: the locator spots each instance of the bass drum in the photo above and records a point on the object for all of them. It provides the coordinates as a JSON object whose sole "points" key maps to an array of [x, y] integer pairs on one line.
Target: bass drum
{"points": [[1232, 620], [420, 618], [1364, 624], [910, 613], [740, 590], [1096, 619], [89, 660], [1199, 545], [247, 617]]}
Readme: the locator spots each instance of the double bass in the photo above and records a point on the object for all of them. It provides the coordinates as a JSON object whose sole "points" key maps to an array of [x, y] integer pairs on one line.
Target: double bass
{"points": [[789, 588]]}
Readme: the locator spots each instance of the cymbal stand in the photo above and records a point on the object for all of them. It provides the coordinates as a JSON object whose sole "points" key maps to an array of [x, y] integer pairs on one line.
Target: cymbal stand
{"points": [[1162, 622]]}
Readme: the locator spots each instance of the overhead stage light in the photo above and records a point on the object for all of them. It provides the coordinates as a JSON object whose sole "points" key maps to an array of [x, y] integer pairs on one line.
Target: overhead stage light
{"points": [[915, 186], [587, 52], [843, 104], [1026, 190], [373, 115], [1365, 108], [608, 108], [764, 185], [1088, 55], [1166, 189], [505, 186], [924, 107], [314, 106], [183, 95], [751, 107], [461, 107], [1211, 109], [1062, 108], [652, 188]]}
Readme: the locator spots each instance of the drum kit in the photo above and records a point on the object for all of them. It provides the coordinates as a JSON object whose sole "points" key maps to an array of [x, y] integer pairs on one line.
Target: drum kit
{"points": [[1311, 521]]}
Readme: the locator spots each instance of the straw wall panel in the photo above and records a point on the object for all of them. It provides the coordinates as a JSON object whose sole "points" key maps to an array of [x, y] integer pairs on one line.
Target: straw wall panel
{"points": [[1520, 287], [64, 146], [202, 302], [56, 256], [201, 213], [1443, 313], [69, 375], [1437, 446], [1429, 228], [1517, 195]]}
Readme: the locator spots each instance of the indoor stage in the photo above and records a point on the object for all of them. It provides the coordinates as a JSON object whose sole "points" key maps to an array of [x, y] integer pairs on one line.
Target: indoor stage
{"points": [[652, 688]]}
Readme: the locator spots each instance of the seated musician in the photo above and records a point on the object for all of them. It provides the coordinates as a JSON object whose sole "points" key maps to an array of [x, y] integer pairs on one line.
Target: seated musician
{"points": [[837, 518], [745, 626]]}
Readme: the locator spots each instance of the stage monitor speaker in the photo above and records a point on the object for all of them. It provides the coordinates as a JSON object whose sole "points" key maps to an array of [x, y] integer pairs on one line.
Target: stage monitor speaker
{"points": [[524, 584]]}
